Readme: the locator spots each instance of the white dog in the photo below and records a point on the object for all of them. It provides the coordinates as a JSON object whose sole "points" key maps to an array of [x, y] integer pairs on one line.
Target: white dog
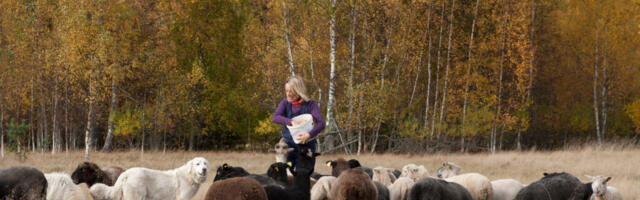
{"points": [[141, 183]]}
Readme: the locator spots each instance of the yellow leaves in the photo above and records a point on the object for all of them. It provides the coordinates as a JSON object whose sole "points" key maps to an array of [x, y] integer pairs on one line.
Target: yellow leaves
{"points": [[633, 111], [266, 127]]}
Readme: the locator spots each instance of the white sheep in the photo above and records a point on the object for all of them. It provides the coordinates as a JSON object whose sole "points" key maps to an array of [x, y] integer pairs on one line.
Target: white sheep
{"points": [[506, 189], [383, 175], [400, 188], [414, 172], [601, 191], [477, 184], [320, 190], [61, 187]]}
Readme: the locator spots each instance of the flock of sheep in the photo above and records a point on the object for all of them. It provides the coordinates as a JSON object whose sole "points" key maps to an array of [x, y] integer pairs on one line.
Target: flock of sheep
{"points": [[348, 180]]}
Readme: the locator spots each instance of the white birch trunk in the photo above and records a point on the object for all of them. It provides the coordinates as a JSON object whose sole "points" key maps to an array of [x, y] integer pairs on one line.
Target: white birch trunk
{"points": [[468, 77], [89, 129], [351, 67], [604, 86], [446, 73], [435, 99], [595, 89], [112, 111], [332, 33], [54, 133], [426, 107], [286, 36], [415, 82]]}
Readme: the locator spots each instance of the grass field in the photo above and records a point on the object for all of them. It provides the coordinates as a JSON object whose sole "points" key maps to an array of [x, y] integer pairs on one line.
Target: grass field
{"points": [[527, 166]]}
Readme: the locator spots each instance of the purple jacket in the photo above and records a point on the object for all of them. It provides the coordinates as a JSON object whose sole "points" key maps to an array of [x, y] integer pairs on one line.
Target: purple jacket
{"points": [[279, 116]]}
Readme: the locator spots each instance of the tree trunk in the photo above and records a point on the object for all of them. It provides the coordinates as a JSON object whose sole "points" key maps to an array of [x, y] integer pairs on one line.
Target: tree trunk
{"points": [[286, 36], [332, 33], [55, 138], [604, 86], [415, 82], [386, 56], [45, 131], [499, 101], [595, 85], [112, 111], [446, 73], [33, 139], [468, 77], [435, 99], [66, 115], [89, 130], [352, 62], [426, 107], [2, 126], [143, 127]]}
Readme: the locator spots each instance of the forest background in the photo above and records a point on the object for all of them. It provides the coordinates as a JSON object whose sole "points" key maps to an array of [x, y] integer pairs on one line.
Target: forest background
{"points": [[390, 76]]}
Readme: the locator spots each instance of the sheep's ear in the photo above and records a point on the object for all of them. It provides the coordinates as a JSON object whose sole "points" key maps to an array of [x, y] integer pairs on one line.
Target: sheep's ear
{"points": [[225, 166], [606, 180], [590, 177], [331, 163], [545, 174], [290, 164]]}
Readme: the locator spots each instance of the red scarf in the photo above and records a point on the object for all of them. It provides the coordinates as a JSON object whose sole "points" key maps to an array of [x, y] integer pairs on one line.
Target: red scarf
{"points": [[297, 103]]}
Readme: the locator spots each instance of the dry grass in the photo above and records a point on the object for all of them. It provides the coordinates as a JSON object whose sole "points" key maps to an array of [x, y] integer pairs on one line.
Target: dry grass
{"points": [[526, 166]]}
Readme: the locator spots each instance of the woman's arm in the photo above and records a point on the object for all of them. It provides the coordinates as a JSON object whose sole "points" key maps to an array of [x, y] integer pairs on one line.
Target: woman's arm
{"points": [[317, 116], [278, 115]]}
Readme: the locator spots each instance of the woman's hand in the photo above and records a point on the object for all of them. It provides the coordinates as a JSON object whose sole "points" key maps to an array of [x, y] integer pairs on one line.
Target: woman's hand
{"points": [[303, 138]]}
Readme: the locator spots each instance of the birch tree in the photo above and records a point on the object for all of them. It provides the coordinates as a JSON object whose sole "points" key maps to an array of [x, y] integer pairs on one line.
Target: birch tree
{"points": [[446, 73], [286, 36], [468, 77], [332, 89]]}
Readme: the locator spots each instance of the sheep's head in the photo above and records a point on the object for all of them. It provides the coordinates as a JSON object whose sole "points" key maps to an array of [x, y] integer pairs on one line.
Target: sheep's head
{"points": [[227, 171], [306, 156], [599, 185], [448, 169], [278, 171], [337, 166], [281, 148], [90, 173], [414, 172]]}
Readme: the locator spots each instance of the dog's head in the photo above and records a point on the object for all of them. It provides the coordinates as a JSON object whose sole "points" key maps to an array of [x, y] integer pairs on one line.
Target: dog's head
{"points": [[198, 169]]}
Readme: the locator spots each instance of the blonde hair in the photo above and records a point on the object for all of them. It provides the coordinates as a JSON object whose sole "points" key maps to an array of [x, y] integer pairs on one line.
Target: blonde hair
{"points": [[297, 85]]}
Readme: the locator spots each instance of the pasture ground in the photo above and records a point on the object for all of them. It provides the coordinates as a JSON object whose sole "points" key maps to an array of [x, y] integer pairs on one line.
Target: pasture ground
{"points": [[526, 166]]}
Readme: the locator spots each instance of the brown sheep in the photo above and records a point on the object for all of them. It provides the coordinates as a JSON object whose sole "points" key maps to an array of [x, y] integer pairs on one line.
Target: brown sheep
{"points": [[337, 166], [90, 173], [113, 172], [237, 188], [354, 184]]}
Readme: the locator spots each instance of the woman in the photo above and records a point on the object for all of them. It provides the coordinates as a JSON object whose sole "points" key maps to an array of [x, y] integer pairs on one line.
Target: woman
{"points": [[296, 103]]}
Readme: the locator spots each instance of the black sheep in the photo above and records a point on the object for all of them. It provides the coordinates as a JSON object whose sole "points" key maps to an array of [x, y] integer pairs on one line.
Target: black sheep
{"points": [[301, 188], [226, 171], [438, 189], [556, 186], [383, 191], [278, 172], [90, 173], [22, 183]]}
